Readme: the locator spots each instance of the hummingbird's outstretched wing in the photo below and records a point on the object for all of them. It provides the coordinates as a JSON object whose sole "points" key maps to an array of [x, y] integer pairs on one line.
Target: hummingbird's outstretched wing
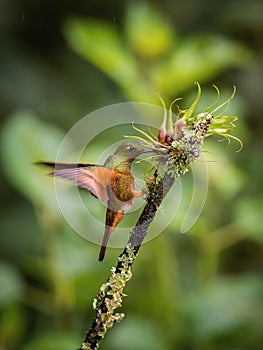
{"points": [[94, 178]]}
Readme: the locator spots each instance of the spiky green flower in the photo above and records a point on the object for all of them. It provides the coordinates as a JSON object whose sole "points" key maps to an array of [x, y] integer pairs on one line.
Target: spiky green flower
{"points": [[172, 131]]}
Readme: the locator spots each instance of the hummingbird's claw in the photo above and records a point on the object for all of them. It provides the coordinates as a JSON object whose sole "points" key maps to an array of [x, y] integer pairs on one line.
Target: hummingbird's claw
{"points": [[144, 193]]}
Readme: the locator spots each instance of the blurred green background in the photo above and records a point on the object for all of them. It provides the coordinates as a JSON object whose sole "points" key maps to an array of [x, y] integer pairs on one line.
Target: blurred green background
{"points": [[61, 60]]}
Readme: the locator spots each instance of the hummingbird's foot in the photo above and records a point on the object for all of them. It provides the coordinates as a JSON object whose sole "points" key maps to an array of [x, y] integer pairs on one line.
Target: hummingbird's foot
{"points": [[137, 194], [145, 192], [141, 194]]}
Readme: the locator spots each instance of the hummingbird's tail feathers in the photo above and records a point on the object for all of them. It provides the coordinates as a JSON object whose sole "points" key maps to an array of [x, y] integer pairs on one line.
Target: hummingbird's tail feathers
{"points": [[102, 252], [106, 236], [112, 220]]}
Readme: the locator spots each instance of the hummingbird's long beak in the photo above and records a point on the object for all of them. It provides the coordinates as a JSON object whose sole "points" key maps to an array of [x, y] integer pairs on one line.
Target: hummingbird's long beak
{"points": [[146, 151], [143, 151]]}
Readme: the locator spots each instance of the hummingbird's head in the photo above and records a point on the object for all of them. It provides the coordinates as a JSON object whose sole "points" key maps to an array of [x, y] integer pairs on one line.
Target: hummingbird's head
{"points": [[130, 150]]}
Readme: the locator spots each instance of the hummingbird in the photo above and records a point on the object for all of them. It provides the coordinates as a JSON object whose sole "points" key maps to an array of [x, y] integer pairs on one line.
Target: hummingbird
{"points": [[111, 183]]}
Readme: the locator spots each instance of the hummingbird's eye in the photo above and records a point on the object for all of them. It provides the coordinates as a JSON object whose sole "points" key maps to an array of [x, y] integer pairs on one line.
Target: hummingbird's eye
{"points": [[130, 148]]}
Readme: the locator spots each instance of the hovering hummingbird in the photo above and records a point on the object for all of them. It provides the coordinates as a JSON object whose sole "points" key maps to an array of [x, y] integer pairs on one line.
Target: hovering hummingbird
{"points": [[112, 183]]}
